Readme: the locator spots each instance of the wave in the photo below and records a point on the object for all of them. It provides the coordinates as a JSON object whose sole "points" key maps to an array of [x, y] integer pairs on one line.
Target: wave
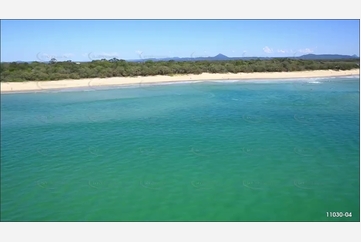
{"points": [[311, 80], [314, 82], [227, 81], [167, 83]]}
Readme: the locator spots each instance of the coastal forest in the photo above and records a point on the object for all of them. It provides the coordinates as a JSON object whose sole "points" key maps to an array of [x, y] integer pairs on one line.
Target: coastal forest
{"points": [[54, 70]]}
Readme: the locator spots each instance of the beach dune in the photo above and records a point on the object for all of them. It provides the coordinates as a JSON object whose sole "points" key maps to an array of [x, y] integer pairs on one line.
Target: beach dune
{"points": [[116, 81]]}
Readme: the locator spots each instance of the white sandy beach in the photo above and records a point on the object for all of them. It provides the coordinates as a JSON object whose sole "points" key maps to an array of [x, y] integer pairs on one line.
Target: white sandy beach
{"points": [[7, 87]]}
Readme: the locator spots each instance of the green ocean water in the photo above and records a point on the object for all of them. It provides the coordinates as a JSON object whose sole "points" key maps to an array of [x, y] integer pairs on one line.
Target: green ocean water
{"points": [[250, 151]]}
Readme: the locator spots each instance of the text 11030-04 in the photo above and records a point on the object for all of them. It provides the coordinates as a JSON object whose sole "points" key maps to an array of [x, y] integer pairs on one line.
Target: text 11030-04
{"points": [[339, 214]]}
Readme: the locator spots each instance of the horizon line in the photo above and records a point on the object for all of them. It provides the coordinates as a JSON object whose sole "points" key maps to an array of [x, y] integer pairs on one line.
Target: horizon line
{"points": [[177, 57]]}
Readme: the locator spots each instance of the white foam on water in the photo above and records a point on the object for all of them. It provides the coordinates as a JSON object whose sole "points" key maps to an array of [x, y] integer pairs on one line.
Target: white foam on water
{"points": [[167, 83], [225, 81]]}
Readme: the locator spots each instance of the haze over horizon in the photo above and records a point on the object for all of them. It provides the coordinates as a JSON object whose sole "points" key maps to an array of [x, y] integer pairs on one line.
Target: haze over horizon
{"points": [[85, 40]]}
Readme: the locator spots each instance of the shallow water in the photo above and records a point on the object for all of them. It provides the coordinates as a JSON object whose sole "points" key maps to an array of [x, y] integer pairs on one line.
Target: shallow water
{"points": [[236, 151]]}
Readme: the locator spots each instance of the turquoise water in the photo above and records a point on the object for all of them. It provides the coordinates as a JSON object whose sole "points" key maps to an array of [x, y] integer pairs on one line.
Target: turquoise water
{"points": [[250, 151]]}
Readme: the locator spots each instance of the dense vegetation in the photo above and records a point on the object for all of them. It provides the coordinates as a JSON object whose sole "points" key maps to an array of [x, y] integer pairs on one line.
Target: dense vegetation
{"points": [[39, 71]]}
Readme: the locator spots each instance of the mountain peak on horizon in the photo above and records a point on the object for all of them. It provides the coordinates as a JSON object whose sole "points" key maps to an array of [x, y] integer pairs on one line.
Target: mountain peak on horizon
{"points": [[221, 55]]}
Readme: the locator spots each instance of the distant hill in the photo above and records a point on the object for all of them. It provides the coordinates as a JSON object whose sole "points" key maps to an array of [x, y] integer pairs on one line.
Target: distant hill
{"points": [[221, 57], [326, 57]]}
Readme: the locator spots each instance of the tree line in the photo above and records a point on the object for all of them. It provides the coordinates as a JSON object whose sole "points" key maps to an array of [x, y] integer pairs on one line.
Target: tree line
{"points": [[53, 70]]}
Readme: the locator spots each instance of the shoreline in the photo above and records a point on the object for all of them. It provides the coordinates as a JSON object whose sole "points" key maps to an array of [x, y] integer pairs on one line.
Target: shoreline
{"points": [[97, 83]]}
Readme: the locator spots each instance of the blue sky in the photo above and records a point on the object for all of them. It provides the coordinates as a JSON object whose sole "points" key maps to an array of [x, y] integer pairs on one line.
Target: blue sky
{"points": [[84, 40]]}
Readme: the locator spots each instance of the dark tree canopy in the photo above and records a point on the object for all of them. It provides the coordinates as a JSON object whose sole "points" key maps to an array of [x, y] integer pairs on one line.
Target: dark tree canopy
{"points": [[55, 70]]}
